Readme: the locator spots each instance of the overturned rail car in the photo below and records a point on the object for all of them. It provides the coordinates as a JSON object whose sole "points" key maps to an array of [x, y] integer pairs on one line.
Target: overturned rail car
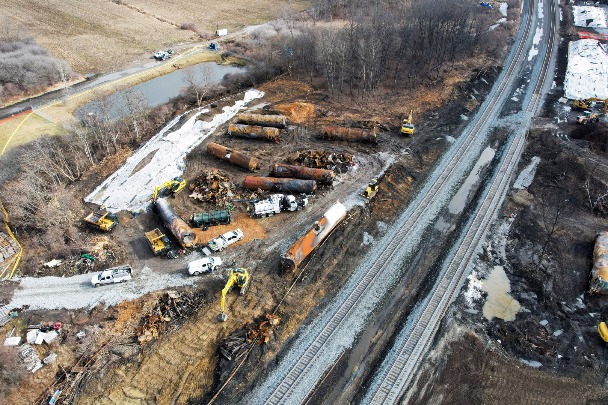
{"points": [[173, 222]]}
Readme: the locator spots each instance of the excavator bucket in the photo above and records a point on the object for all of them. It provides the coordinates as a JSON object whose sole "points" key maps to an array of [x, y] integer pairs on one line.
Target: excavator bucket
{"points": [[222, 317]]}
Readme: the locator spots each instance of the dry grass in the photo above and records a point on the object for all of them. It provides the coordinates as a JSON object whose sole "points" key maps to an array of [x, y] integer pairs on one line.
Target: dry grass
{"points": [[33, 127], [102, 36]]}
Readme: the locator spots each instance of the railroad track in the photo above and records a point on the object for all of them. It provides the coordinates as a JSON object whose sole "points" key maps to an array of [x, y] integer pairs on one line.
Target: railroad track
{"points": [[445, 176], [411, 345]]}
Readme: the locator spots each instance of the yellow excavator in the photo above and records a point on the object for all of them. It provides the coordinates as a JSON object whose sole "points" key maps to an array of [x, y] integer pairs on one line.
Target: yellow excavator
{"points": [[168, 188], [407, 128], [238, 277], [590, 103], [371, 190]]}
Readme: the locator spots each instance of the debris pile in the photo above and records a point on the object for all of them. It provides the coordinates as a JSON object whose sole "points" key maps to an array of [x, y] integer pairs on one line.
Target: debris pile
{"points": [[171, 306], [213, 186], [235, 346], [338, 162], [30, 358]]}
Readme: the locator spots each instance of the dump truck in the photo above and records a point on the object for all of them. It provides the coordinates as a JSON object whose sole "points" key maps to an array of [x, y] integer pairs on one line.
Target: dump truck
{"points": [[275, 204], [105, 221], [161, 244], [112, 275], [371, 190], [210, 218]]}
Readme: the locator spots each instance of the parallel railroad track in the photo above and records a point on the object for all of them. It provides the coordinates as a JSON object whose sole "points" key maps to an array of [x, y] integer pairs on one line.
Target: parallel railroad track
{"points": [[441, 178]]}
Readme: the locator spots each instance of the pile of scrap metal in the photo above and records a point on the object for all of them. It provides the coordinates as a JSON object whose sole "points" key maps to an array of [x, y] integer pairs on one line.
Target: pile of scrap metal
{"points": [[171, 306], [213, 186], [337, 162], [235, 346]]}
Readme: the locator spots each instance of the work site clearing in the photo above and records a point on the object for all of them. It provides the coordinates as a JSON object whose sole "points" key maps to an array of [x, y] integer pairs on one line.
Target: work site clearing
{"points": [[522, 330]]}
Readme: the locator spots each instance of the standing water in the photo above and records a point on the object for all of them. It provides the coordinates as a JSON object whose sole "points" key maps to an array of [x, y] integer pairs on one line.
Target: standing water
{"points": [[457, 203], [161, 89], [499, 303]]}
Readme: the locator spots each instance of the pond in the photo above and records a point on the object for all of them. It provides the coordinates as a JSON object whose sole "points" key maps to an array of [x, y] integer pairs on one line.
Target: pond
{"points": [[159, 90]]}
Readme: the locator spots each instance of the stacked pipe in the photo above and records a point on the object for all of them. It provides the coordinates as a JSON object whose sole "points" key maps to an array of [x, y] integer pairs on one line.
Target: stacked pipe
{"points": [[313, 237], [321, 176], [233, 156], [254, 132], [277, 184], [178, 227], [278, 121], [332, 132]]}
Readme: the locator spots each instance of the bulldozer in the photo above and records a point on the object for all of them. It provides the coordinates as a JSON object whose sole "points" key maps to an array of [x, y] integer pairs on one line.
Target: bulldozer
{"points": [[238, 277], [371, 190], [169, 188], [407, 127], [587, 118]]}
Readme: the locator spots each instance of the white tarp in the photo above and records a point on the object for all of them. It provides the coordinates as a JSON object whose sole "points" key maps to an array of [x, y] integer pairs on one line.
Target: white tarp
{"points": [[127, 189], [589, 16], [587, 73]]}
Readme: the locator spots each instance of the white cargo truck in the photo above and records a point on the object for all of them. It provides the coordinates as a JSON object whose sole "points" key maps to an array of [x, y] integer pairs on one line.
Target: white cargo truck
{"points": [[113, 275], [276, 203]]}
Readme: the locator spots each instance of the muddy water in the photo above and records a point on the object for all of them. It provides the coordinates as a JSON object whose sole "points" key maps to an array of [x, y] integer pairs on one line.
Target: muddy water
{"points": [[458, 202], [160, 89], [499, 303]]}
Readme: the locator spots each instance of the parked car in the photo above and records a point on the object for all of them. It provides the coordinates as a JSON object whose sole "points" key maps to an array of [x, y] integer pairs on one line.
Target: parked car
{"points": [[204, 265], [112, 275], [223, 241]]}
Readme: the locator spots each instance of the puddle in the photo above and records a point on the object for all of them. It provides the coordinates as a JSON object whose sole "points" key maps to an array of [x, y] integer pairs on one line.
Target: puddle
{"points": [[160, 89], [458, 202], [499, 303], [442, 225]]}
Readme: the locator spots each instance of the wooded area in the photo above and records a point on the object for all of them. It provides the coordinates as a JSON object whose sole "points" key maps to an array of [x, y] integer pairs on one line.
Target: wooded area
{"points": [[25, 66]]}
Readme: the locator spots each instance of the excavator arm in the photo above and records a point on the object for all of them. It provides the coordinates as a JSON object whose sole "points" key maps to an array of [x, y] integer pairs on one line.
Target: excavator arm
{"points": [[232, 279]]}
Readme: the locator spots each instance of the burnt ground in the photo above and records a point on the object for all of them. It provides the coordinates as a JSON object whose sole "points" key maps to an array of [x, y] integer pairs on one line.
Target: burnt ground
{"points": [[551, 352]]}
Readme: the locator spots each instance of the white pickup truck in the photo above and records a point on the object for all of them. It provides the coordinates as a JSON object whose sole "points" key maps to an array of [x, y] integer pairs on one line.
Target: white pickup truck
{"points": [[223, 241], [204, 265], [113, 275]]}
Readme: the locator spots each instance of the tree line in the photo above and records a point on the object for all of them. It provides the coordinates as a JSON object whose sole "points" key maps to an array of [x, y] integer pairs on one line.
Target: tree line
{"points": [[25, 66]]}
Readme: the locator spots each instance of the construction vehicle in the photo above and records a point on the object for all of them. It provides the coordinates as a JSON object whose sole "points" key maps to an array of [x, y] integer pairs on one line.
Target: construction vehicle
{"points": [[589, 103], [105, 221], [407, 127], [602, 328], [223, 241], [161, 244], [371, 190], [169, 188], [587, 117], [276, 203], [113, 275], [210, 218], [238, 277]]}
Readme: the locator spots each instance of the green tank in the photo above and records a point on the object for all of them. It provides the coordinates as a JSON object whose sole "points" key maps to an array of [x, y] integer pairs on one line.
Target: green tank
{"points": [[210, 218]]}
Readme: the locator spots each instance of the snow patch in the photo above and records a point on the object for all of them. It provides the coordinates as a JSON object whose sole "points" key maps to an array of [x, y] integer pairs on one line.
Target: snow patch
{"points": [[531, 363], [130, 189], [587, 73], [450, 139], [526, 176], [367, 239], [473, 292], [503, 9], [589, 16]]}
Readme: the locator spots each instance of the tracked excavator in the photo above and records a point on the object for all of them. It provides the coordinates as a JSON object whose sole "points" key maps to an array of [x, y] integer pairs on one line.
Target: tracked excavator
{"points": [[238, 277], [169, 188], [407, 128]]}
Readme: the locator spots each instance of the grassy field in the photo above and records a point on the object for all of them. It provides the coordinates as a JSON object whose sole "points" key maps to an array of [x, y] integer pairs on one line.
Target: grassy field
{"points": [[99, 36]]}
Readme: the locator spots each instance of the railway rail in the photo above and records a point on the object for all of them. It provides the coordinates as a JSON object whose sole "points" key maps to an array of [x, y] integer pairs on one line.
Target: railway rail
{"points": [[445, 176], [410, 346]]}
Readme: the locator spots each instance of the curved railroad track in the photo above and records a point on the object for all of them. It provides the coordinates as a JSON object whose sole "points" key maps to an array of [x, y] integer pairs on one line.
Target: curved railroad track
{"points": [[401, 364], [446, 176]]}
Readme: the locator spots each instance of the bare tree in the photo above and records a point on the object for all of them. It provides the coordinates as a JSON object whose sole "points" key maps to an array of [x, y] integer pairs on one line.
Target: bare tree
{"points": [[199, 82]]}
